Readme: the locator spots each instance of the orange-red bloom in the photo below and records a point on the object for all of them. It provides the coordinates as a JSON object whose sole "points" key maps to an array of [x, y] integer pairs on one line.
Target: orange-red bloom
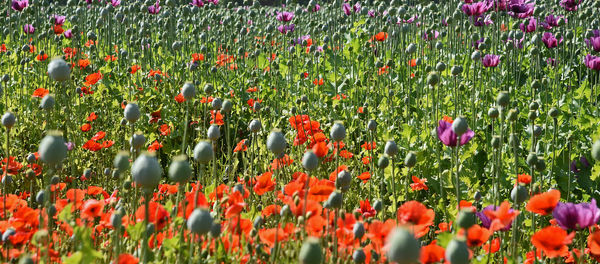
{"points": [[502, 217], [432, 253], [416, 214], [543, 203], [524, 178], [91, 209], [40, 93], [264, 183], [418, 184], [552, 241]]}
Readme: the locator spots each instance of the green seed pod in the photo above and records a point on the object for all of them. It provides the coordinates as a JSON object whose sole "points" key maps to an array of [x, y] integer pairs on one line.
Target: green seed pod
{"points": [[403, 247], [534, 106], [310, 161], [188, 91], [411, 159], [411, 48], [513, 140], [9, 120], [132, 112], [503, 99], [343, 179], [495, 142], [338, 131], [457, 252], [311, 251], [47, 102], [59, 70], [391, 149], [532, 159], [121, 161], [213, 132], [200, 221], [203, 152], [440, 66], [493, 112], [519, 194], [146, 171], [433, 78], [52, 148], [513, 115], [276, 142], [359, 256], [596, 150], [532, 115], [540, 165], [180, 170], [460, 126], [554, 112], [536, 84], [456, 70], [466, 218]]}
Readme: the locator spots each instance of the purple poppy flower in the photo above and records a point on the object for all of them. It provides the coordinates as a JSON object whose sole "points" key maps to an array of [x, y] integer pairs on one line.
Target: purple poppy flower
{"points": [[570, 5], [356, 7], [571, 216], [592, 62], [517, 43], [431, 35], [347, 9], [58, 20], [68, 33], [115, 3], [285, 16], [154, 9], [594, 43], [284, 29], [501, 5], [70, 145], [214, 2], [371, 13], [449, 138], [550, 41], [552, 62], [487, 222], [521, 8], [28, 29], [477, 42], [490, 60], [550, 21], [198, 3], [584, 162], [476, 9], [482, 20], [316, 8], [320, 49], [19, 5], [530, 26]]}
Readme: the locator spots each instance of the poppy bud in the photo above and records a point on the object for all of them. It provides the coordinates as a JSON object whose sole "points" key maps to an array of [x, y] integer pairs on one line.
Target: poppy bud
{"points": [[456, 70], [335, 199], [391, 149], [227, 106], [536, 84], [138, 140], [403, 247], [343, 179], [106, 171], [9, 120], [466, 218], [439, 46], [209, 88], [359, 256], [240, 188], [433, 78], [537, 131], [52, 148], [146, 171], [58, 69], [132, 112], [519, 194], [276, 142], [7, 180], [531, 159], [200, 221], [383, 162], [540, 165], [311, 251], [477, 196], [40, 197], [493, 113], [254, 126], [596, 150], [213, 132], [31, 158], [378, 205], [47, 102], [460, 126], [121, 161], [503, 99], [457, 252], [188, 91], [358, 230], [372, 125], [310, 161], [180, 170], [553, 112], [411, 48], [203, 152]]}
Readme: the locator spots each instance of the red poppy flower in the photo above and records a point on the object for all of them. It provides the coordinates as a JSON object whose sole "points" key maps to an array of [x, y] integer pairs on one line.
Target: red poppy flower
{"points": [[154, 146], [552, 241], [110, 58], [100, 135], [418, 184], [365, 209], [92, 145], [320, 149], [157, 214], [92, 117], [280, 163], [369, 145], [91, 209], [524, 178], [179, 98], [83, 63], [365, 176], [594, 242], [58, 29], [318, 81], [197, 57], [320, 190], [502, 217], [543, 203], [155, 116], [241, 146], [432, 253], [417, 214], [93, 78], [39, 93], [107, 143], [127, 259], [41, 57], [272, 209], [476, 235], [216, 118], [11, 166], [495, 246], [381, 36], [85, 127], [134, 68], [264, 183], [165, 130]]}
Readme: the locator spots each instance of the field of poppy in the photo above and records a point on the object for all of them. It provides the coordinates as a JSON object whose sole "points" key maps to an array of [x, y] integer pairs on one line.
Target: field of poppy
{"points": [[345, 131]]}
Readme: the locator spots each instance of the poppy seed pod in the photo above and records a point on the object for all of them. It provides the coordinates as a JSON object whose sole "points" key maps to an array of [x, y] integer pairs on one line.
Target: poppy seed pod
{"points": [[338, 132], [532, 115], [188, 91], [390, 149], [433, 78], [477, 196], [40, 197], [254, 126], [531, 159], [215, 230], [213, 132], [440, 66], [137, 140], [403, 247], [310, 161], [466, 218], [180, 169], [411, 159], [209, 88], [540, 164], [456, 70], [460, 126], [31, 158], [132, 112], [503, 99], [457, 252], [493, 112], [519, 194], [411, 48], [121, 161], [495, 142], [47, 102], [217, 103], [553, 112], [227, 106], [276, 142], [146, 171], [513, 115], [359, 256], [9, 120], [596, 150], [116, 220], [200, 221], [383, 162], [203, 152], [311, 251], [358, 230], [59, 70], [335, 199], [343, 179], [372, 125], [7, 234], [52, 149], [285, 211]]}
